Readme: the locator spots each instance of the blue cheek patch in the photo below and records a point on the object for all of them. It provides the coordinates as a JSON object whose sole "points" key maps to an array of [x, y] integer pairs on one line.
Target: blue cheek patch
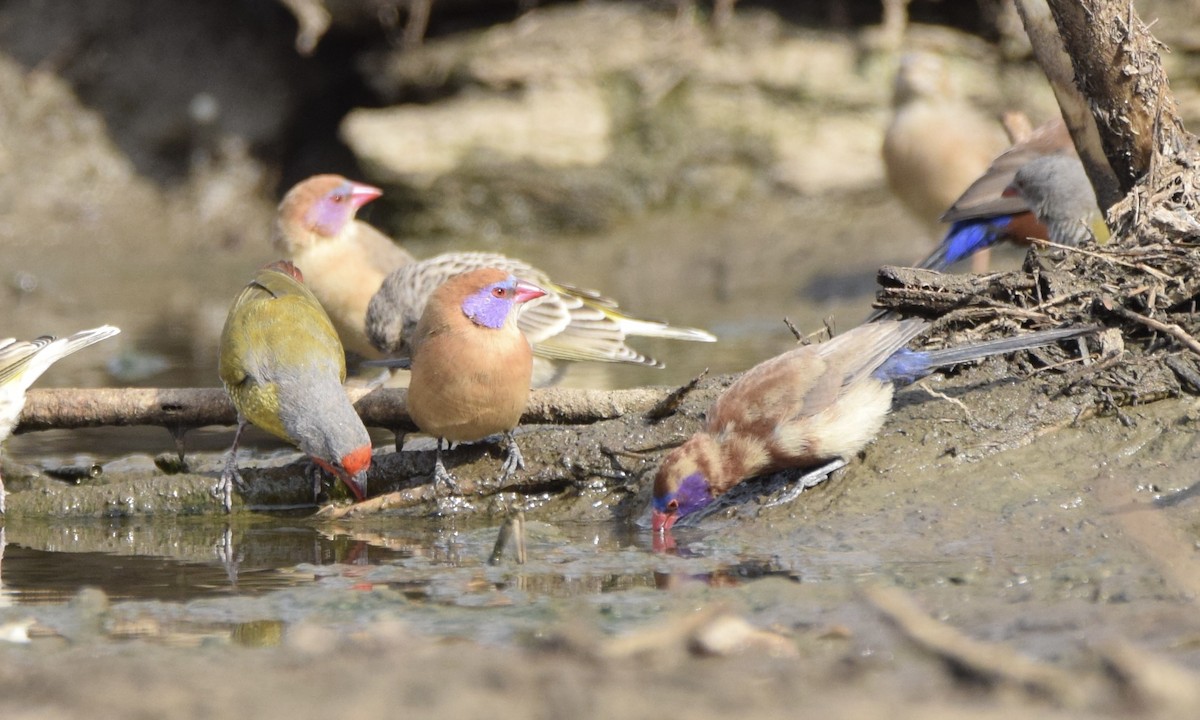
{"points": [[693, 494], [487, 310]]}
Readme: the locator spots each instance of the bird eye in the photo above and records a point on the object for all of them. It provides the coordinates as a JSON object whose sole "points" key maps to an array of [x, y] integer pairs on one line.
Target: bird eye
{"points": [[338, 197], [673, 505], [499, 292]]}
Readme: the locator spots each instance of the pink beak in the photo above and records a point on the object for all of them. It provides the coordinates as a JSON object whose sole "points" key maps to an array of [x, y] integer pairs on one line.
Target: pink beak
{"points": [[361, 194], [528, 291], [661, 522]]}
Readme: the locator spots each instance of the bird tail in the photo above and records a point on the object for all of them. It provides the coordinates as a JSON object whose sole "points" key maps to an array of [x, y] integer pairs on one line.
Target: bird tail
{"points": [[1028, 341], [26, 361], [964, 239], [907, 366], [631, 325]]}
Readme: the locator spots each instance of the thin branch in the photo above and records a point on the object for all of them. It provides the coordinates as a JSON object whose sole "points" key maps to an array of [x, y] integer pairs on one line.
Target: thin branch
{"points": [[47, 409]]}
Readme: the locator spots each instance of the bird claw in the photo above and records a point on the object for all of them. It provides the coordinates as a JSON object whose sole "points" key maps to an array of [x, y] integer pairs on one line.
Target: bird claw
{"points": [[812, 478], [224, 488], [443, 482], [513, 462]]}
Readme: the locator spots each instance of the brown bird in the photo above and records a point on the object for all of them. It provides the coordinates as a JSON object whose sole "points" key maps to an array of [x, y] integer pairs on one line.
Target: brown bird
{"points": [[471, 366], [812, 407], [936, 144], [989, 212], [344, 260], [569, 323]]}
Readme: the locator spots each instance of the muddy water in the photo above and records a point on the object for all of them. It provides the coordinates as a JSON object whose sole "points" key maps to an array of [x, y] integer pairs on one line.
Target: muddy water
{"points": [[1077, 534]]}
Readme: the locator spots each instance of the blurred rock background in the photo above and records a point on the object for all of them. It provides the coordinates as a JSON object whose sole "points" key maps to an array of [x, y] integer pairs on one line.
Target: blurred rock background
{"points": [[143, 145]]}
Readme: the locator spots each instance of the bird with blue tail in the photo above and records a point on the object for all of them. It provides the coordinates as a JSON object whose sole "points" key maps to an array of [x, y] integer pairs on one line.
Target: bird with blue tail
{"points": [[812, 407], [990, 211]]}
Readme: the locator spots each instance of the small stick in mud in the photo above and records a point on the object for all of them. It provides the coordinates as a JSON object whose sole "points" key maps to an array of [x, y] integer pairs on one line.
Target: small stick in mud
{"points": [[511, 530], [671, 402]]}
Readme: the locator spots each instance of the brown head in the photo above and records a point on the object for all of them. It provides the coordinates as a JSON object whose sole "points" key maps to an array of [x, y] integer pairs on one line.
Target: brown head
{"points": [[318, 208]]}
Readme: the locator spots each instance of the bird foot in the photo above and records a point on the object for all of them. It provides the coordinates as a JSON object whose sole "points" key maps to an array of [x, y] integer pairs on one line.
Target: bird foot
{"points": [[229, 478], [513, 462], [812, 478], [443, 482]]}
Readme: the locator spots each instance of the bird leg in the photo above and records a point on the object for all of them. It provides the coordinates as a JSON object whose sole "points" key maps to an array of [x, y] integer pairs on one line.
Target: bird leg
{"points": [[812, 478], [314, 471], [514, 460], [442, 478], [230, 475]]}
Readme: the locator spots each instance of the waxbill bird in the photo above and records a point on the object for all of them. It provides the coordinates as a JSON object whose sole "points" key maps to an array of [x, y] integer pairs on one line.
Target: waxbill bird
{"points": [[568, 323], [344, 260], [988, 213], [1058, 190], [813, 406], [23, 362], [936, 143], [471, 366], [283, 367]]}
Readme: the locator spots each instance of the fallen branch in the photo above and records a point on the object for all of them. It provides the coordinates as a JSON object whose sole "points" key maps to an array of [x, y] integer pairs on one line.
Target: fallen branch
{"points": [[992, 662], [196, 407], [1169, 329]]}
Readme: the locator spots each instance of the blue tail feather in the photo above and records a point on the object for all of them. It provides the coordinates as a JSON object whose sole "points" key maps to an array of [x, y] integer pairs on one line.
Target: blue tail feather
{"points": [[965, 238]]}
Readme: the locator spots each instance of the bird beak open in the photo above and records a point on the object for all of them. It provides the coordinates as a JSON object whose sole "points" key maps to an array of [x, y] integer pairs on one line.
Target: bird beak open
{"points": [[528, 291], [362, 194], [661, 522]]}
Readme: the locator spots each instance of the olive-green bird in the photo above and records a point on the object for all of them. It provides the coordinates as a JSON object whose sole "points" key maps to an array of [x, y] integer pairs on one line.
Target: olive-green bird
{"points": [[283, 367]]}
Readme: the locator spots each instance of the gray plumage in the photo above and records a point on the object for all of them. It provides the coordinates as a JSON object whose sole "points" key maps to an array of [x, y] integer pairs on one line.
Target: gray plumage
{"points": [[569, 323], [1060, 194]]}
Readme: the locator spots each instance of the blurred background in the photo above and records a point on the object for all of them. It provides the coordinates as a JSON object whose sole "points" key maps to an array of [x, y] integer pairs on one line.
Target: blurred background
{"points": [[711, 165]]}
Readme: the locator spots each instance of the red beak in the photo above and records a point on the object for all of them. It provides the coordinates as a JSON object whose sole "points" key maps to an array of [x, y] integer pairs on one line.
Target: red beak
{"points": [[362, 194], [356, 482], [661, 522], [527, 291]]}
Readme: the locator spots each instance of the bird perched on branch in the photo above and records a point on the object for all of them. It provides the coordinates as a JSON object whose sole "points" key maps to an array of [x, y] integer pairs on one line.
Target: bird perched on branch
{"points": [[283, 367], [23, 362], [936, 143], [991, 211], [569, 323], [344, 260], [812, 407], [471, 365]]}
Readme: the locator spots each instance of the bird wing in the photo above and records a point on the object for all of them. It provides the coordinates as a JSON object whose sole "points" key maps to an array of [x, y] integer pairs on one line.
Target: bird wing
{"points": [[24, 362], [985, 197], [808, 379], [568, 323]]}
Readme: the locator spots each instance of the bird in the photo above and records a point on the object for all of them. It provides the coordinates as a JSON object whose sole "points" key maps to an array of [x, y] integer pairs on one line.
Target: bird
{"points": [[343, 259], [471, 365], [935, 144], [568, 323], [283, 367], [988, 212], [23, 362], [1057, 189], [814, 406]]}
